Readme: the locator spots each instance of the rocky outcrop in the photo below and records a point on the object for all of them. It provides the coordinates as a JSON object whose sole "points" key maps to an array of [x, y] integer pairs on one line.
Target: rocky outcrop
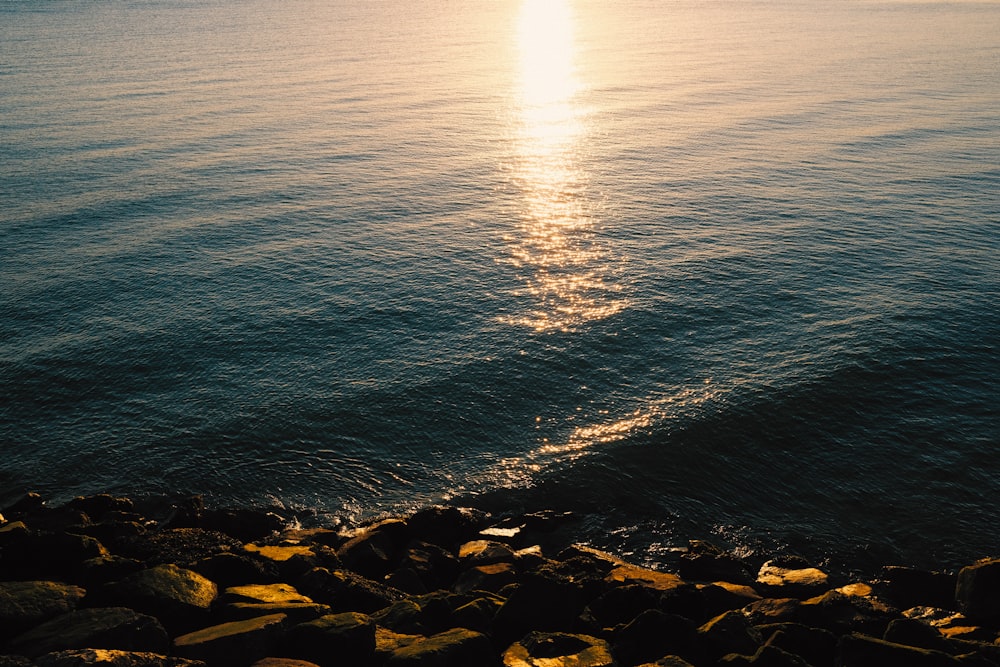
{"points": [[94, 582]]}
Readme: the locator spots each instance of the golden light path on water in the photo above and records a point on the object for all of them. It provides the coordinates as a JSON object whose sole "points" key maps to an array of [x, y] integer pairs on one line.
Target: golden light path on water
{"points": [[566, 269], [572, 275]]}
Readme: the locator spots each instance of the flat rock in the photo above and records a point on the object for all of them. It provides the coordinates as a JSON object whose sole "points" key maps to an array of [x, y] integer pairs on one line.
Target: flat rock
{"points": [[457, 647], [98, 657], [789, 582], [484, 552], [544, 649], [640, 576], [271, 593], [104, 627], [346, 638], [297, 612], [387, 642], [180, 598], [234, 643]]}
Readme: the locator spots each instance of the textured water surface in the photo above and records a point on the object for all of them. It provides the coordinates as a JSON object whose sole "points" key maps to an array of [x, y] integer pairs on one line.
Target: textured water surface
{"points": [[687, 269]]}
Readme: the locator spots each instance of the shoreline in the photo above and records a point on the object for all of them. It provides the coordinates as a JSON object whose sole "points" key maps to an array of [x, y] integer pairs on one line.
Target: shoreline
{"points": [[104, 580]]}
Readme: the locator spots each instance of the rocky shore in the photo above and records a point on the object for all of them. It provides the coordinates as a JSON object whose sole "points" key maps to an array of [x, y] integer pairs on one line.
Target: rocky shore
{"points": [[95, 582]]}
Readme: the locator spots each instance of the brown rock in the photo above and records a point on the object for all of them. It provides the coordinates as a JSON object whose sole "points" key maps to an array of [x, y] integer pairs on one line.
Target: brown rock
{"points": [[99, 657], [105, 627], [631, 574], [344, 590], [542, 649], [25, 604], [271, 593], [490, 578], [179, 598], [458, 647], [234, 643], [730, 632], [723, 596], [484, 552], [792, 582], [706, 562], [335, 639]]}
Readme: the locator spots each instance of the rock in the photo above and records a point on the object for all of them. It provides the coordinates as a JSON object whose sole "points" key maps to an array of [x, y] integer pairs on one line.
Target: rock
{"points": [[773, 610], [766, 656], [914, 633], [668, 661], [373, 551], [723, 596], [28, 503], [538, 604], [490, 578], [446, 526], [283, 662], [245, 525], [542, 649], [785, 582], [640, 576], [816, 646], [978, 590], [654, 634], [619, 606], [687, 601], [99, 657], [477, 615], [387, 642], [436, 567], [404, 617], [484, 552], [95, 572], [457, 647], [180, 598], [262, 593], [294, 560], [730, 632], [908, 587], [297, 612], [856, 650], [25, 604], [101, 504], [706, 562], [227, 569], [335, 639], [841, 614], [177, 546], [236, 643], [105, 627], [344, 590], [42, 555]]}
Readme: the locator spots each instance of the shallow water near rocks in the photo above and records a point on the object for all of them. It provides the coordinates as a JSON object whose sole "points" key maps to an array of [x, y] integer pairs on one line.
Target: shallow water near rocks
{"points": [[686, 269]]}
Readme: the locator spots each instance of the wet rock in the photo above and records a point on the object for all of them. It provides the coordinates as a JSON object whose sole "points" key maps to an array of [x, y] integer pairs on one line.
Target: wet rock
{"points": [[486, 578], [816, 646], [178, 546], [654, 634], [978, 590], [106, 627], [28, 503], [25, 604], [374, 550], [436, 567], [856, 650], [97, 506], [235, 643], [447, 526], [228, 569], [779, 580], [541, 649], [180, 598], [484, 552], [335, 639], [344, 590], [730, 632], [908, 587], [96, 657], [457, 647], [706, 562], [245, 525]]}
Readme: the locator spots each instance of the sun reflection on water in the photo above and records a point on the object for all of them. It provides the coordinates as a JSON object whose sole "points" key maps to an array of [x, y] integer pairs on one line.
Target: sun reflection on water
{"points": [[566, 268]]}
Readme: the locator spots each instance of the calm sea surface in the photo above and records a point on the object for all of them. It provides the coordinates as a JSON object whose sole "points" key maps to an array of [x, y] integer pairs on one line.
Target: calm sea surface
{"points": [[724, 270]]}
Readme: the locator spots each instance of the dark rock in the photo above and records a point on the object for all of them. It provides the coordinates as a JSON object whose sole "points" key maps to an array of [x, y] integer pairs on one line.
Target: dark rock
{"points": [[914, 633], [180, 598], [178, 546], [112, 533], [619, 606], [245, 525], [730, 632], [538, 604], [841, 614], [404, 617], [723, 596], [101, 504], [25, 604], [370, 554], [816, 646], [43, 555], [687, 601], [436, 567], [490, 578], [908, 587], [978, 590], [228, 569], [457, 647], [669, 661], [773, 610], [344, 590], [654, 634], [335, 639], [104, 569], [15, 661], [477, 615], [706, 562], [27, 504], [297, 612], [543, 649], [101, 657], [446, 526], [484, 552], [236, 643], [283, 662], [294, 560], [781, 581], [107, 627], [767, 656], [856, 650], [437, 609]]}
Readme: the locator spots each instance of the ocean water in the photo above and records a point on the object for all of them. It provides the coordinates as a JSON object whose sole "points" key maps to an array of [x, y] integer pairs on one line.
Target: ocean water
{"points": [[725, 270]]}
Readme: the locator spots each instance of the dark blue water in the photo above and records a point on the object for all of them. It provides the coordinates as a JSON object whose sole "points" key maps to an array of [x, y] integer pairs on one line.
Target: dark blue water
{"points": [[689, 270]]}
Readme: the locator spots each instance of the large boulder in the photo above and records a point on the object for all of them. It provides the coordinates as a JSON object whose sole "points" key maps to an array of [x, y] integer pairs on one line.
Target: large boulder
{"points": [[978, 590], [538, 604], [783, 579], [856, 650], [344, 590], [180, 598], [236, 643], [262, 593], [907, 587], [546, 649], [105, 627], [458, 647], [730, 632], [816, 646], [446, 526], [335, 639], [29, 554], [703, 561], [654, 634], [25, 604]]}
